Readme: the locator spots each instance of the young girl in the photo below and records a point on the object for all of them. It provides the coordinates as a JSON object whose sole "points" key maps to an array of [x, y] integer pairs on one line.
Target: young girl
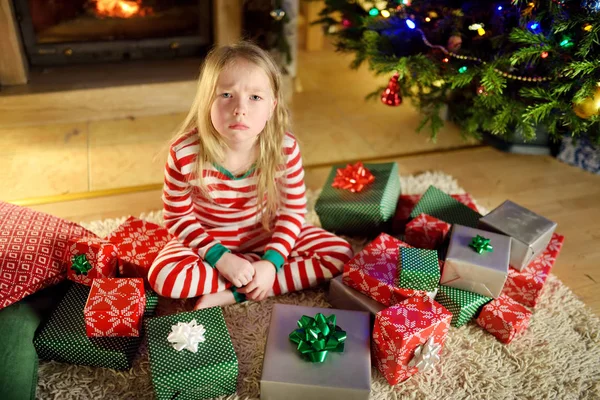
{"points": [[234, 194]]}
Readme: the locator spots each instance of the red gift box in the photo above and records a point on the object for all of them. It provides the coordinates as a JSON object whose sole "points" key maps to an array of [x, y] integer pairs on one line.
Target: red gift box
{"points": [[399, 331], [138, 243], [407, 202], [504, 318], [525, 286], [115, 307], [426, 232], [89, 258], [374, 271]]}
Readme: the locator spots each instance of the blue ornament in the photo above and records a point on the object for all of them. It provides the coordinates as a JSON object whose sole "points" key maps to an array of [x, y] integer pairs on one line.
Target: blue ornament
{"points": [[591, 5]]}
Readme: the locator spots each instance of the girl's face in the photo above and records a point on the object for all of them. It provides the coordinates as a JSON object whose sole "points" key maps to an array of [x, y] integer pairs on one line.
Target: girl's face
{"points": [[244, 103]]}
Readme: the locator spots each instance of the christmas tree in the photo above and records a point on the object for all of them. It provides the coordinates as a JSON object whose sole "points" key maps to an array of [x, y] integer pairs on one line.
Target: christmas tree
{"points": [[500, 66]]}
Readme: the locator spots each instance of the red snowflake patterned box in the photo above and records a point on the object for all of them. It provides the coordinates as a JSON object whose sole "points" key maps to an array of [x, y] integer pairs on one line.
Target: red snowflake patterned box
{"points": [[407, 202], [504, 318], [426, 232], [115, 307], [525, 286], [408, 337], [89, 258], [138, 242], [374, 271]]}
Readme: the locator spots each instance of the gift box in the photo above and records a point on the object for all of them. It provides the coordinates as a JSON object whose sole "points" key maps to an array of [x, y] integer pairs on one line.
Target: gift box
{"points": [[138, 243], [462, 304], [426, 232], [88, 258], [115, 307], [525, 286], [407, 202], [442, 206], [286, 374], [504, 318], [63, 338], [191, 355], [408, 337], [374, 271], [344, 297], [529, 231], [364, 212], [418, 269], [480, 270]]}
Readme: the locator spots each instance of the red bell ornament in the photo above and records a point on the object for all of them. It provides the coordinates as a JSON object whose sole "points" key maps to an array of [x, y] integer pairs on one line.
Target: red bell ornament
{"points": [[391, 94]]}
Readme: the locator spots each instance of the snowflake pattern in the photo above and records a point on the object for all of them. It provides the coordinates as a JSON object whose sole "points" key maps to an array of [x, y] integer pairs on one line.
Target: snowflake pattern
{"points": [[101, 254], [115, 307], [504, 318], [426, 232]]}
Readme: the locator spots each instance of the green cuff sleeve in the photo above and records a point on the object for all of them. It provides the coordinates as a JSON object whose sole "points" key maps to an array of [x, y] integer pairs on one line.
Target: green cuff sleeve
{"points": [[239, 297], [215, 253], [274, 257]]}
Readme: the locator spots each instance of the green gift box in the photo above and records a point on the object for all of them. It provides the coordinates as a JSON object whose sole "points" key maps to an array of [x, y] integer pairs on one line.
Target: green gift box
{"points": [[442, 206], [418, 269], [367, 211], [210, 372], [63, 338], [463, 305]]}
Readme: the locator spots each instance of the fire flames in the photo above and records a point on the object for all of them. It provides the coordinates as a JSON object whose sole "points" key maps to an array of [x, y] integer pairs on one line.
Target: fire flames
{"points": [[120, 8]]}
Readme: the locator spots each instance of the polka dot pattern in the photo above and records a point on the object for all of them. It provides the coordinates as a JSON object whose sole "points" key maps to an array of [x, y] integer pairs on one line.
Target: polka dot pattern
{"points": [[418, 269], [463, 305], [210, 372], [364, 212], [442, 206], [64, 338]]}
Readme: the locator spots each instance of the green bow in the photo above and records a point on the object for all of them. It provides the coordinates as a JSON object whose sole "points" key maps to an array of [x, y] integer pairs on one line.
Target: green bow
{"points": [[481, 244], [316, 336], [81, 265]]}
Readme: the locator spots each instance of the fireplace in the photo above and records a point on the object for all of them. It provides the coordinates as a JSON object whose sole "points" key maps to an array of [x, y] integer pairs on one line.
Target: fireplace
{"points": [[58, 32]]}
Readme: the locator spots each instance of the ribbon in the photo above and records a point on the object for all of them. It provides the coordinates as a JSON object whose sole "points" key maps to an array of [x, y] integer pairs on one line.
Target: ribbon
{"points": [[481, 244], [426, 356], [186, 335], [353, 178], [316, 336], [80, 264]]}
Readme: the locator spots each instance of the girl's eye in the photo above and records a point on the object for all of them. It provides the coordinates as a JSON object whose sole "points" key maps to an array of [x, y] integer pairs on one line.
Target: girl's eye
{"points": [[255, 97], [226, 95]]}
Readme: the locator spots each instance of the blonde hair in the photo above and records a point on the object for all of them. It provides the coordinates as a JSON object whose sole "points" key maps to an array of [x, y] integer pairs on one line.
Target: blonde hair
{"points": [[271, 158]]}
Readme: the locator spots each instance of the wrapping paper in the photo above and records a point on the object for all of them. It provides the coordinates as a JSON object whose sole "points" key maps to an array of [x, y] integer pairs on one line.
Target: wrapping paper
{"points": [[100, 255], [504, 318], [419, 269], [462, 304], [400, 329], [442, 206], [426, 232]]}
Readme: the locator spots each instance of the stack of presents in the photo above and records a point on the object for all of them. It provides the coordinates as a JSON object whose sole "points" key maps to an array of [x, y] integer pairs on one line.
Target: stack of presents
{"points": [[435, 262]]}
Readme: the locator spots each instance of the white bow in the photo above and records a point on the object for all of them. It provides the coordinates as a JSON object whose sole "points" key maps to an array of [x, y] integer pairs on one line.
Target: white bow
{"points": [[426, 356], [186, 336]]}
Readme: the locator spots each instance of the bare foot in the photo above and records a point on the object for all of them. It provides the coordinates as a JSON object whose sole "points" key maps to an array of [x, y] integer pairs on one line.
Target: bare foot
{"points": [[223, 298]]}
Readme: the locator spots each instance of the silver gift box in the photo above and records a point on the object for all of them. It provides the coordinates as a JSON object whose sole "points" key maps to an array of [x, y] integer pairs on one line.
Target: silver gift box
{"points": [[529, 231], [466, 269], [286, 375], [344, 297]]}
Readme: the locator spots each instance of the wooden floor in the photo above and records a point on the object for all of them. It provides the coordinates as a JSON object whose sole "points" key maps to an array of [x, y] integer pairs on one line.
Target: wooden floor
{"points": [[560, 192]]}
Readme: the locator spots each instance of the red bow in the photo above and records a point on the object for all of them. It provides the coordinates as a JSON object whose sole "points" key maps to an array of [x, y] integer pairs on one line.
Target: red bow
{"points": [[353, 177]]}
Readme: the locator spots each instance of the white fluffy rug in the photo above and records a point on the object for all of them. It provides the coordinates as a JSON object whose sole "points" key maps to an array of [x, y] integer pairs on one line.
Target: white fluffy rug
{"points": [[557, 358]]}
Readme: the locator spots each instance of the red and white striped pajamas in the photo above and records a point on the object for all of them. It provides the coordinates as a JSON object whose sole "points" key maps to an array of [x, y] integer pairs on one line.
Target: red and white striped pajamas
{"points": [[311, 254]]}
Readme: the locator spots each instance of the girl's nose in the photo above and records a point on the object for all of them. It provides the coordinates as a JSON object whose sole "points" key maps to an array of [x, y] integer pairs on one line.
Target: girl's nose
{"points": [[240, 109]]}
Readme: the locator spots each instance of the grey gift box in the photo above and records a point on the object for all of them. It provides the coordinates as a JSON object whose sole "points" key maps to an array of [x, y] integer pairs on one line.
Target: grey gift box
{"points": [[529, 231], [346, 375], [344, 297], [466, 269]]}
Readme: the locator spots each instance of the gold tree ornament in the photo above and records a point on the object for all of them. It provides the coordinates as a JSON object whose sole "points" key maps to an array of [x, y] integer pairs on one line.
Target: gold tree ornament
{"points": [[588, 107]]}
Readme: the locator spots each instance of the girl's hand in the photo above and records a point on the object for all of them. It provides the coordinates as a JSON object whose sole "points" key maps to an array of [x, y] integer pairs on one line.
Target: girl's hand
{"points": [[235, 269], [262, 282]]}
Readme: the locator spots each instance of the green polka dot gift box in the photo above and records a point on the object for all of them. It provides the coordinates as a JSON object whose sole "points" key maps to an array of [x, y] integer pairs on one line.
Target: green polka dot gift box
{"points": [[463, 305], [418, 269], [362, 212], [191, 355], [442, 206], [63, 338]]}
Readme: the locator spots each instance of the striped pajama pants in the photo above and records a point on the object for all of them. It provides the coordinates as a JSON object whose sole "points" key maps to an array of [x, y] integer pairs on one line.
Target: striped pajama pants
{"points": [[178, 271]]}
